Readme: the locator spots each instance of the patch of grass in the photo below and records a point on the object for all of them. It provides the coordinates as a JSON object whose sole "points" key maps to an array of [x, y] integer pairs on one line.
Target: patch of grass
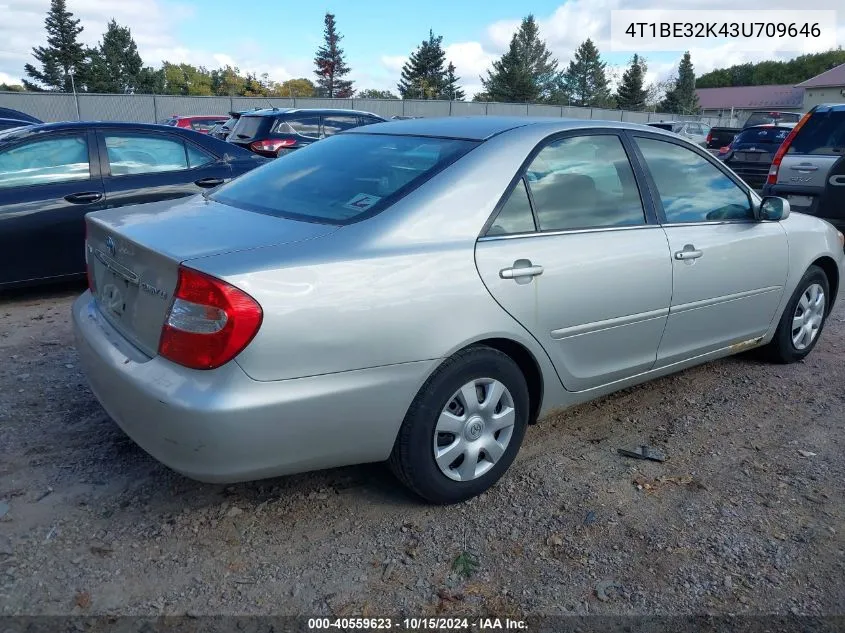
{"points": [[465, 564]]}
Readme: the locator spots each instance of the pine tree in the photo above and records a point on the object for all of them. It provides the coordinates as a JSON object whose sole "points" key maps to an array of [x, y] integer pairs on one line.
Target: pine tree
{"points": [[682, 98], [424, 75], [331, 66], [453, 90], [527, 72], [63, 55], [115, 64], [585, 81], [631, 93]]}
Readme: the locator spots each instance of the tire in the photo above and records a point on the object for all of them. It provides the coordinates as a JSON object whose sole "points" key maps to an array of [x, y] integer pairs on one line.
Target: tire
{"points": [[782, 348], [413, 457]]}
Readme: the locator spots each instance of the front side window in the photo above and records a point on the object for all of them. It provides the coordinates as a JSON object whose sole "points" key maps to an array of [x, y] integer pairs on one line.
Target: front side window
{"points": [[335, 124], [690, 187], [62, 159], [137, 154], [204, 125], [342, 177], [584, 182]]}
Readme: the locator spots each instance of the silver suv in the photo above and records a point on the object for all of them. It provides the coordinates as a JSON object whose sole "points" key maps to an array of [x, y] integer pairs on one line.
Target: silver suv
{"points": [[809, 167]]}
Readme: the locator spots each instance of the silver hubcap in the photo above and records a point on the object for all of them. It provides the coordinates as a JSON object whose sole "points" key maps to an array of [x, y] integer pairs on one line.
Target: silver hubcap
{"points": [[808, 317], [474, 429]]}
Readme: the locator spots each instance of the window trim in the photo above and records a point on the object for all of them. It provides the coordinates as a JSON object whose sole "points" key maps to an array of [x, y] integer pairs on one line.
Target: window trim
{"points": [[106, 164], [93, 158], [655, 194], [649, 213]]}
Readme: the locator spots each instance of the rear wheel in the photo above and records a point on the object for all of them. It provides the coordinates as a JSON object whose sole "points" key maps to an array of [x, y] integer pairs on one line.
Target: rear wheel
{"points": [[464, 428], [803, 320]]}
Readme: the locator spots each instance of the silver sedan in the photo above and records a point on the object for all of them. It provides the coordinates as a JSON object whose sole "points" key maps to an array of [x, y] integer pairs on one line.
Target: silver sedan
{"points": [[420, 291]]}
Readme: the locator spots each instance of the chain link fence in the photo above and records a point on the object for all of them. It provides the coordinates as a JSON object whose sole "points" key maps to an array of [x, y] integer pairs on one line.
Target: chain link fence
{"points": [[49, 106]]}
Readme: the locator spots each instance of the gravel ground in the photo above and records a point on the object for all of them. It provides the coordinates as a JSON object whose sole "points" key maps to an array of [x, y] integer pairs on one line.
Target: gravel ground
{"points": [[746, 516]]}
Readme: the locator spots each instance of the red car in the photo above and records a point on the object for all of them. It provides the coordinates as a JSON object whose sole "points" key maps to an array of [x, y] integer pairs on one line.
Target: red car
{"points": [[200, 122]]}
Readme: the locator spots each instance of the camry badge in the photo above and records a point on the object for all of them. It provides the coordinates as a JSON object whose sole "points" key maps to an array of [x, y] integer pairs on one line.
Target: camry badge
{"points": [[110, 247]]}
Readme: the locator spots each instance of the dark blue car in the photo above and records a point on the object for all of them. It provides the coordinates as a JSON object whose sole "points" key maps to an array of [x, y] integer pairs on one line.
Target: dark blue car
{"points": [[52, 174]]}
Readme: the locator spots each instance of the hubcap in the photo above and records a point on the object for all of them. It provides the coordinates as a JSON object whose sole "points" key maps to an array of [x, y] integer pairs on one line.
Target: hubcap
{"points": [[808, 317], [474, 429]]}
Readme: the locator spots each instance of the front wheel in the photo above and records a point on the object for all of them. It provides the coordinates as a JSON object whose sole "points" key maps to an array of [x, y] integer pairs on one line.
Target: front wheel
{"points": [[464, 428], [803, 320]]}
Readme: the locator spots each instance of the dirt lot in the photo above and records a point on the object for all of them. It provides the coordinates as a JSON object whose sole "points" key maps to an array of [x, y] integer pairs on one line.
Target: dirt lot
{"points": [[746, 516]]}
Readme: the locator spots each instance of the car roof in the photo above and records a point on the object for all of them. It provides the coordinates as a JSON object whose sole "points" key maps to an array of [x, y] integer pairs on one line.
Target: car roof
{"points": [[278, 111], [480, 128], [830, 107], [199, 116], [43, 128]]}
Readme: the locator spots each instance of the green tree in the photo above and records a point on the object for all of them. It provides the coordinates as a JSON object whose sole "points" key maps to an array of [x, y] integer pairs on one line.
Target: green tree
{"points": [[370, 93], [453, 90], [769, 72], [331, 66], [631, 93], [185, 79], [296, 88], [150, 81], [4, 87], [585, 82], [682, 98], [424, 74], [227, 81], [527, 72], [63, 55], [482, 97], [115, 64]]}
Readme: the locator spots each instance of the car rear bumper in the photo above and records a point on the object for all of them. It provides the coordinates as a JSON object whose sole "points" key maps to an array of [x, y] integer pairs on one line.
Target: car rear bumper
{"points": [[222, 426]]}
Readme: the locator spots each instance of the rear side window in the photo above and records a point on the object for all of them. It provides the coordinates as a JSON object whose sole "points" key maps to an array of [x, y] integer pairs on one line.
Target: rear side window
{"points": [[823, 133], [343, 178], [305, 126], [136, 154], [204, 125], [583, 182], [516, 215]]}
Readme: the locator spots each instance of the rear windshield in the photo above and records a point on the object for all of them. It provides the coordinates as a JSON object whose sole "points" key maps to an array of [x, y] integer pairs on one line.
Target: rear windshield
{"points": [[763, 136], [760, 118], [343, 178], [248, 127], [822, 133]]}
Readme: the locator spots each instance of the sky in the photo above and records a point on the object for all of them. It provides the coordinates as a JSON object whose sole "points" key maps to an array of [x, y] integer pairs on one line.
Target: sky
{"points": [[280, 37]]}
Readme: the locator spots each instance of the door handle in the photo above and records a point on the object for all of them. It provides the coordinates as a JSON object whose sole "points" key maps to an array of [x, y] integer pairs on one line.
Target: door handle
{"points": [[86, 197], [520, 271], [804, 167], [688, 254], [208, 182]]}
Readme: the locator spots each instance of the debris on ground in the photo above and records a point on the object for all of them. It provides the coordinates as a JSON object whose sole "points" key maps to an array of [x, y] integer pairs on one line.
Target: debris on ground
{"points": [[606, 590], [643, 452], [465, 564], [806, 453]]}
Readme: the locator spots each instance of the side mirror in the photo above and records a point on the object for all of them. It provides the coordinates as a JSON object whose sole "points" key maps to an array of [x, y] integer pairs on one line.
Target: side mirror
{"points": [[773, 208]]}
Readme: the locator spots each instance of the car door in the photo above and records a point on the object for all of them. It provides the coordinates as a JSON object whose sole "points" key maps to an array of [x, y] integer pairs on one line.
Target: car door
{"points": [[47, 185], [576, 257], [141, 167], [728, 269]]}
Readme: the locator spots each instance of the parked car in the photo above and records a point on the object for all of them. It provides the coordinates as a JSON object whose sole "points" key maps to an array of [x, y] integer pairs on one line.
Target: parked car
{"points": [[10, 113], [8, 124], [421, 291], [275, 132], [199, 123], [809, 168], [223, 130], [720, 136], [693, 130], [751, 151], [52, 174]]}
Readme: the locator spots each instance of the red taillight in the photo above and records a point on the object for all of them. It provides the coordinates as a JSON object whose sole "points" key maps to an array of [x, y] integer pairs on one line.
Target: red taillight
{"points": [[209, 323], [772, 178], [709, 137], [272, 145]]}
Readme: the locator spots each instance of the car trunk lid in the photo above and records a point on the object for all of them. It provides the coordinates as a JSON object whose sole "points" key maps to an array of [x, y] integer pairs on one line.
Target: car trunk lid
{"points": [[134, 255]]}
